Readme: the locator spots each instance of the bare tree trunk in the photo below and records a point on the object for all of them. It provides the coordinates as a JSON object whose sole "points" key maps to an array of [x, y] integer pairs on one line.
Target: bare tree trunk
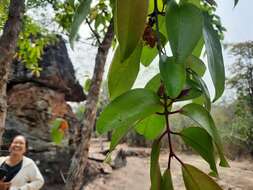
{"points": [[8, 42], [80, 158]]}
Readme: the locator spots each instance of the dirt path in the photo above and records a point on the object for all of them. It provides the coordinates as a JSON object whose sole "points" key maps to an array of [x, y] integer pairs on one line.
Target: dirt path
{"points": [[135, 176]]}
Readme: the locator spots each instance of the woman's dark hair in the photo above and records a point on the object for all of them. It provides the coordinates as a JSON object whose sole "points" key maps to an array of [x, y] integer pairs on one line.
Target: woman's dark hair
{"points": [[26, 141]]}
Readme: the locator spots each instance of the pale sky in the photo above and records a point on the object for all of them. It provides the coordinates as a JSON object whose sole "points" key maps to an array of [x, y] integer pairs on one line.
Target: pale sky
{"points": [[236, 20]]}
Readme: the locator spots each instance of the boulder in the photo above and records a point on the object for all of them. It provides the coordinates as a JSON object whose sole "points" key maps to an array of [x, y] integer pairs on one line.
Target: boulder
{"points": [[57, 73]]}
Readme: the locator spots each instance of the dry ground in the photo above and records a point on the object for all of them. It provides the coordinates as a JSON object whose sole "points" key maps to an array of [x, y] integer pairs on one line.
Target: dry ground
{"points": [[135, 176]]}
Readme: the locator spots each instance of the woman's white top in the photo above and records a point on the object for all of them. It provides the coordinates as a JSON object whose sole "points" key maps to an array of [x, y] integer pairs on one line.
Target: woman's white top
{"points": [[28, 177]]}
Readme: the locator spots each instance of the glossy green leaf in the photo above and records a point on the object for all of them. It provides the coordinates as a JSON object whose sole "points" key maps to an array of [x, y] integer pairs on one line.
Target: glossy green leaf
{"points": [[122, 75], [130, 21], [214, 56], [198, 49], [194, 2], [196, 64], [184, 27], [173, 75], [118, 134], [155, 172], [148, 53], [126, 109], [154, 83], [206, 95], [195, 179], [80, 15], [200, 115], [167, 181], [201, 142], [151, 6], [151, 127]]}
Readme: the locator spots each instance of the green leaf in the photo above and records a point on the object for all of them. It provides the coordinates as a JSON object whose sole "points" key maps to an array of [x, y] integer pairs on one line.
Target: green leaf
{"points": [[195, 179], [151, 127], [167, 181], [56, 134], [214, 56], [130, 21], [148, 53], [191, 90], [206, 95], [87, 85], [155, 172], [200, 115], [182, 21], [173, 75], [126, 109], [122, 76], [194, 2], [80, 14], [198, 49], [154, 83], [117, 135], [201, 142], [196, 64], [151, 6]]}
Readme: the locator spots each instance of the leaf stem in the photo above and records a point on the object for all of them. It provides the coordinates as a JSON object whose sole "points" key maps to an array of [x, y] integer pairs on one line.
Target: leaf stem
{"points": [[174, 112], [166, 111]]}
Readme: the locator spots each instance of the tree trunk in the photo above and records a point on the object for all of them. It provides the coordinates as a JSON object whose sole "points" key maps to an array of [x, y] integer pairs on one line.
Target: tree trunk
{"points": [[8, 42], [80, 158]]}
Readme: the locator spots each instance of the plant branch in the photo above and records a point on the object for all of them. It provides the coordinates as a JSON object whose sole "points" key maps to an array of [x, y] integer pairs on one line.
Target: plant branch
{"points": [[166, 111], [94, 32]]}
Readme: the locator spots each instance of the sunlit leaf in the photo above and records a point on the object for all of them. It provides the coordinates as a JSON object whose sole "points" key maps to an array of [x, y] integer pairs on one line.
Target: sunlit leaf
{"points": [[151, 127], [130, 21], [80, 15], [214, 56], [173, 75], [200, 115], [184, 27], [201, 142], [58, 127], [122, 75], [195, 179], [151, 6], [155, 172], [127, 109]]}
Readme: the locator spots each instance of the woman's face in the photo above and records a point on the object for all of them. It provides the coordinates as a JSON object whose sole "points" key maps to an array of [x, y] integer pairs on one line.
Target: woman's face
{"points": [[18, 145]]}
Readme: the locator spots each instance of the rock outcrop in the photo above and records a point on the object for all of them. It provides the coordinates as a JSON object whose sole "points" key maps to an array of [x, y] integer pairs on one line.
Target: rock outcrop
{"points": [[57, 73], [34, 102]]}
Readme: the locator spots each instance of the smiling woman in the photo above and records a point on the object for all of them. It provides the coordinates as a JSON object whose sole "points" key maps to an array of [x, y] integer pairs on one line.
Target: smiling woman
{"points": [[18, 172]]}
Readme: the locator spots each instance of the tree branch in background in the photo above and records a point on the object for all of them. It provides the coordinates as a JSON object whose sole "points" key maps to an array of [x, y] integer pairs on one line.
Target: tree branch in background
{"points": [[8, 43], [80, 158], [94, 32]]}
